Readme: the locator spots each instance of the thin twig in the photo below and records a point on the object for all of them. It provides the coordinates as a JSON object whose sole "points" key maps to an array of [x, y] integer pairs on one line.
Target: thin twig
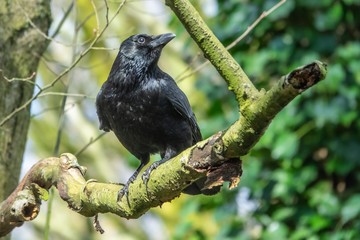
{"points": [[255, 23], [92, 140], [96, 16], [104, 48], [67, 86], [82, 23], [107, 12], [62, 21], [26, 79], [65, 94], [44, 110], [198, 68], [188, 68]]}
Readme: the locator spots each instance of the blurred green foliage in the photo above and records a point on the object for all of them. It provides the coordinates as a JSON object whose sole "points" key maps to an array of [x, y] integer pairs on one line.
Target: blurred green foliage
{"points": [[303, 174], [299, 182]]}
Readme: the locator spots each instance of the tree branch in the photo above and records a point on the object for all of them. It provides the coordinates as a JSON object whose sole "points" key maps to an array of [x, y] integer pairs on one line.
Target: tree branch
{"points": [[246, 132], [91, 197]]}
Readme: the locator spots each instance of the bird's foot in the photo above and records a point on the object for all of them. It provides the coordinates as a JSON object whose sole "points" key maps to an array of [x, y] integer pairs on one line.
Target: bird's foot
{"points": [[124, 192], [146, 175]]}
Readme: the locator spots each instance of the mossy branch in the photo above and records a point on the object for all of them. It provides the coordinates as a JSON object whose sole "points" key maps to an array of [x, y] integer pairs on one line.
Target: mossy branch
{"points": [[91, 197], [246, 132]]}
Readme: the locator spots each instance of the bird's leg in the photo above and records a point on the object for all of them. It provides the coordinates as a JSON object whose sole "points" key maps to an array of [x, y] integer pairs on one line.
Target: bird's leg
{"points": [[169, 153], [146, 175], [125, 189]]}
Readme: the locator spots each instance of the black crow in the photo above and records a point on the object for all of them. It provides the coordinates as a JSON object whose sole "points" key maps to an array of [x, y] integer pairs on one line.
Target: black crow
{"points": [[145, 108]]}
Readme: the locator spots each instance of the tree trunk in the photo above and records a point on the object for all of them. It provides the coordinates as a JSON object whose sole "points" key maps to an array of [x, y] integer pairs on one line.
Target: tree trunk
{"points": [[21, 45]]}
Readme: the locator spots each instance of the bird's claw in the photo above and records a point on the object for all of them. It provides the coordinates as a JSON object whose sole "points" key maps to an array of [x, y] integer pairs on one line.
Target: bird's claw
{"points": [[124, 192], [146, 175]]}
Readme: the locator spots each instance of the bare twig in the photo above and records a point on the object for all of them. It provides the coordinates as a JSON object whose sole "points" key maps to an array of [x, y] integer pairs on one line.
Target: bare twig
{"points": [[66, 14], [198, 68], [104, 49], [44, 110], [26, 79], [65, 94], [255, 23], [92, 140], [107, 12], [96, 16], [188, 68]]}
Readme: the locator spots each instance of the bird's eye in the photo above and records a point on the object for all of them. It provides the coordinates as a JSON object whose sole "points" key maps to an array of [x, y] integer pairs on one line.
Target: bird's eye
{"points": [[141, 40]]}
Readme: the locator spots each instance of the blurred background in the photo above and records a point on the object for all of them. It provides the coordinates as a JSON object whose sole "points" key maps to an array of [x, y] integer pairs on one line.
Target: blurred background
{"points": [[301, 181]]}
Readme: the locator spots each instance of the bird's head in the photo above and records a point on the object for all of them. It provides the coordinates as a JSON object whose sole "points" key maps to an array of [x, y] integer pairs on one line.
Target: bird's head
{"points": [[144, 49]]}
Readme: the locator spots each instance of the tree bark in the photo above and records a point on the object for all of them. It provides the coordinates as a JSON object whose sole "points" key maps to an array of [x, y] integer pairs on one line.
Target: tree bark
{"points": [[21, 45]]}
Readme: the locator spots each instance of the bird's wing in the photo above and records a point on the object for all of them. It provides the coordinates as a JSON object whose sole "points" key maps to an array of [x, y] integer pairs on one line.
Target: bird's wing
{"points": [[100, 110], [181, 104]]}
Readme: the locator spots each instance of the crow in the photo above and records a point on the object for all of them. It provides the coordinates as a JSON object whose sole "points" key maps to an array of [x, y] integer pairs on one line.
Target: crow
{"points": [[146, 109]]}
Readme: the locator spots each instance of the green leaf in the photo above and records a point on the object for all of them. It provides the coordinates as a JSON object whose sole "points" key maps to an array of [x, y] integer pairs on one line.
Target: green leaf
{"points": [[350, 209], [319, 222], [276, 231], [283, 213], [329, 19], [285, 145]]}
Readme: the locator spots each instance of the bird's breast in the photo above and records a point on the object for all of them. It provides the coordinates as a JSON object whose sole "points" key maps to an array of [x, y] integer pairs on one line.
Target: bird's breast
{"points": [[139, 105]]}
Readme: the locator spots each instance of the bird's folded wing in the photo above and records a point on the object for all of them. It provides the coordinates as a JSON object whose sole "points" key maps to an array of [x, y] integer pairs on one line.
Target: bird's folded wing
{"points": [[100, 105], [181, 104]]}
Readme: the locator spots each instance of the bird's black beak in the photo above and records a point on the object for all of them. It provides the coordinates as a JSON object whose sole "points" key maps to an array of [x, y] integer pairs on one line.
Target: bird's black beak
{"points": [[162, 40]]}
